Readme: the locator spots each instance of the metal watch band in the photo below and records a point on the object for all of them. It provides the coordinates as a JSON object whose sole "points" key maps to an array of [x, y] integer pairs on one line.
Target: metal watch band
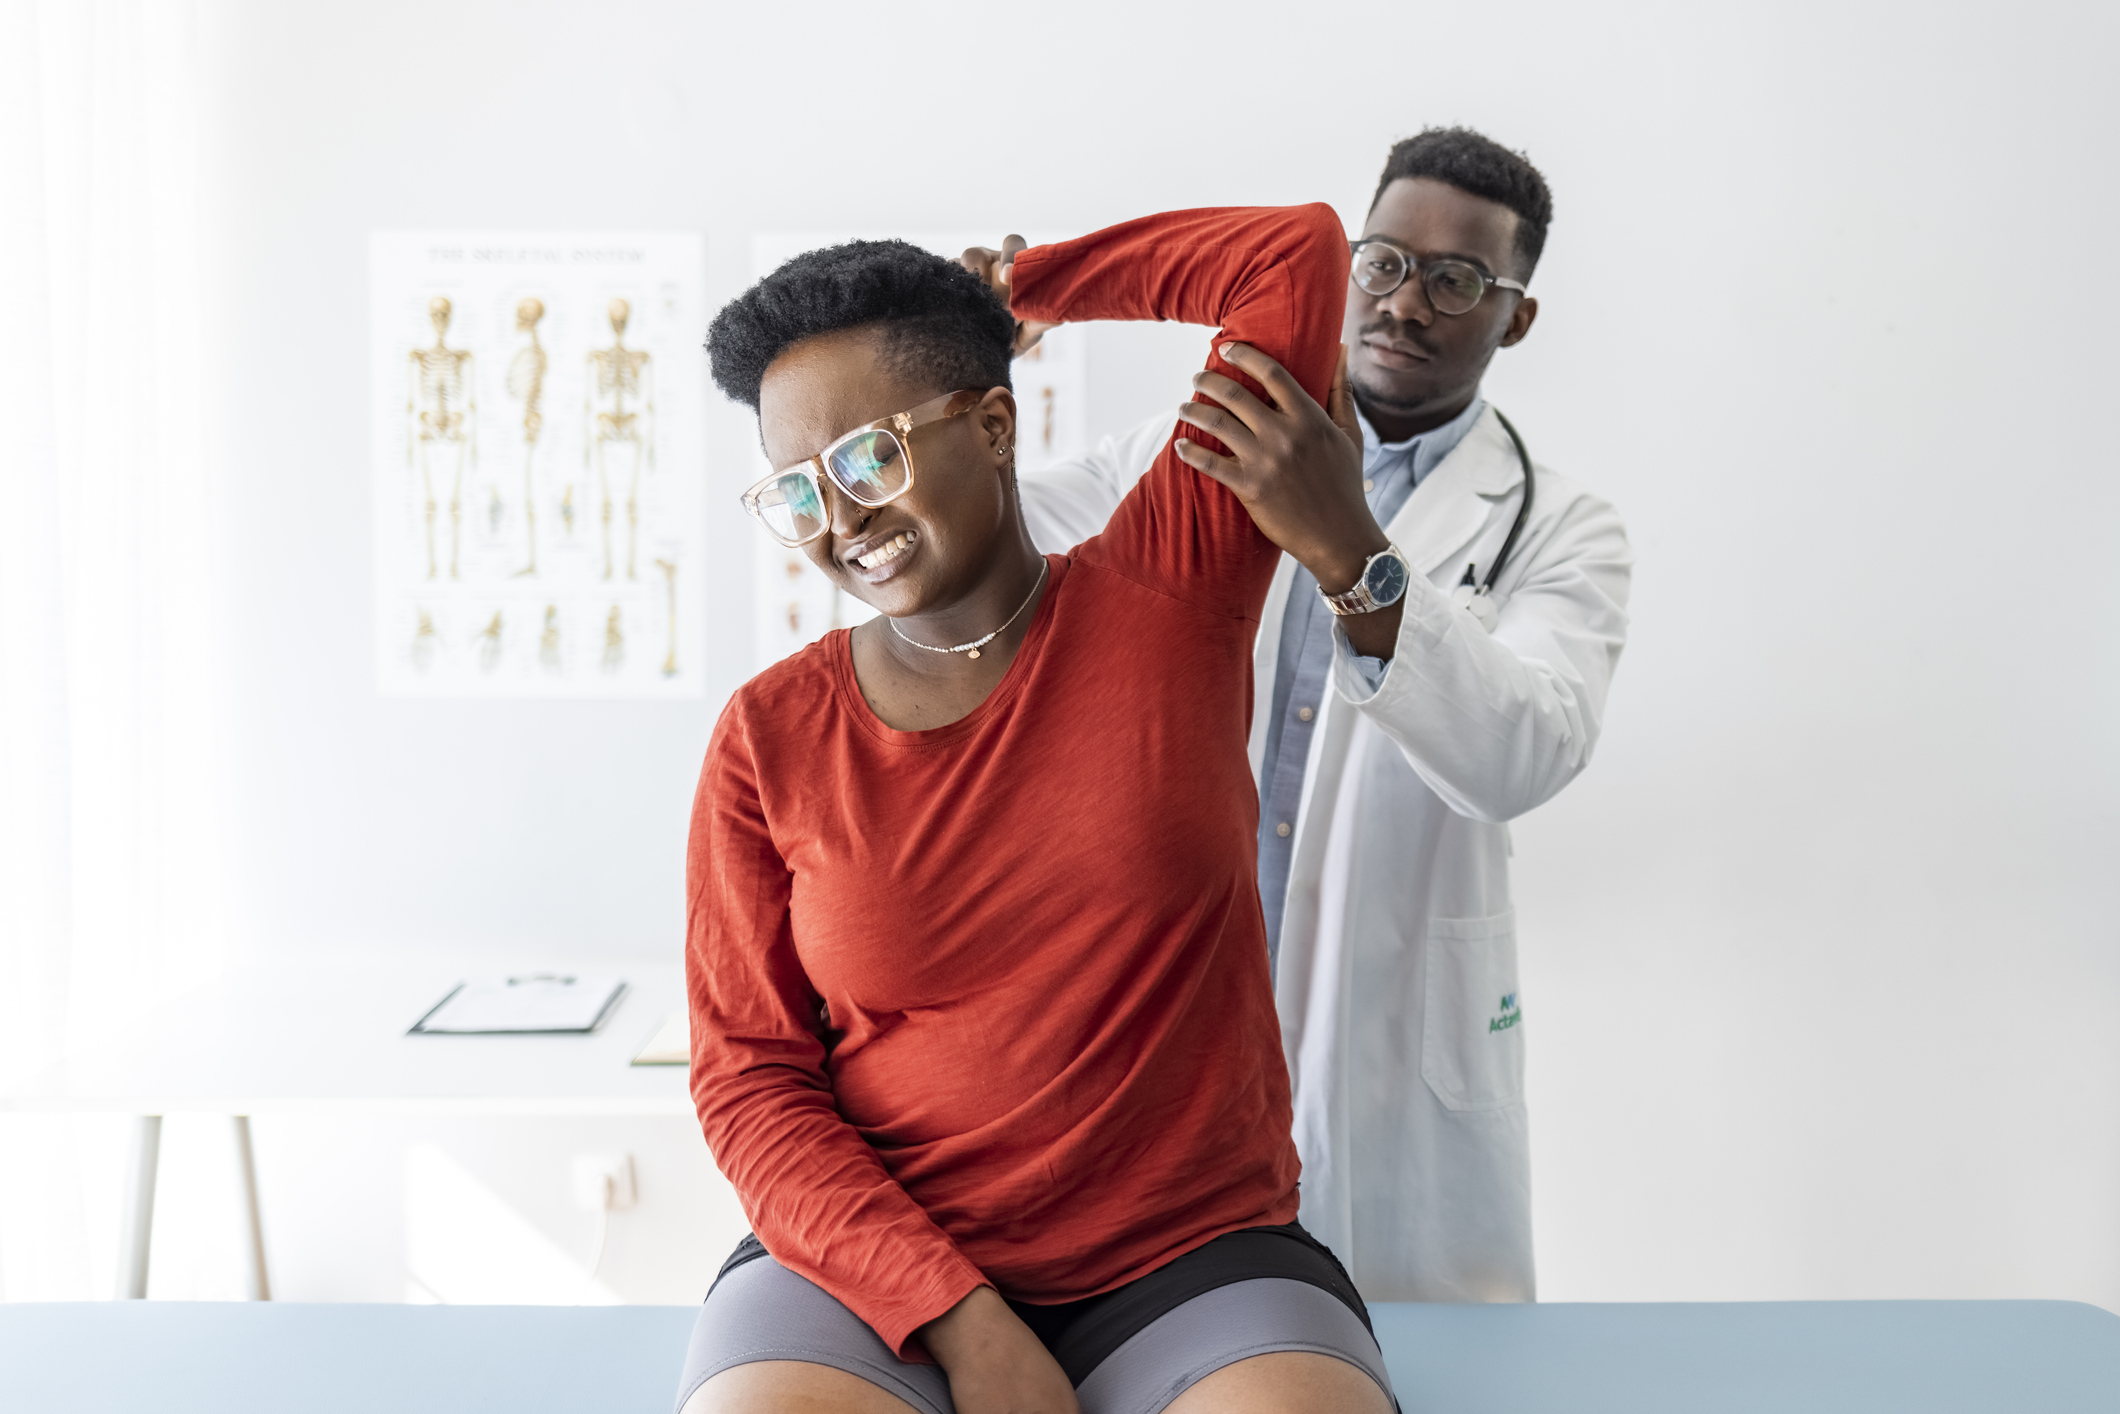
{"points": [[1360, 599]]}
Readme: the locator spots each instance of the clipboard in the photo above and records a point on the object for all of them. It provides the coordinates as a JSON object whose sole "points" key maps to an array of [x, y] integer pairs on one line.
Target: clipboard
{"points": [[525, 1004]]}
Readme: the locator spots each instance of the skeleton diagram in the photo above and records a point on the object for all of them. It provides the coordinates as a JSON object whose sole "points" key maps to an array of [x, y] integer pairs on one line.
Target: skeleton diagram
{"points": [[423, 641], [526, 384], [669, 569], [1045, 394], [614, 641], [489, 644], [548, 641], [441, 421], [795, 568], [621, 427]]}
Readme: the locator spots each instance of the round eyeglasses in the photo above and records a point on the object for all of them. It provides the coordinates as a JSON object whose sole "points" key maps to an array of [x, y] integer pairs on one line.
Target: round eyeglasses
{"points": [[1453, 286]]}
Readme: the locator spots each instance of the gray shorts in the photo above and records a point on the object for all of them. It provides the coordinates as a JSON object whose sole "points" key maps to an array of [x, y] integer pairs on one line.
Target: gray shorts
{"points": [[759, 1310]]}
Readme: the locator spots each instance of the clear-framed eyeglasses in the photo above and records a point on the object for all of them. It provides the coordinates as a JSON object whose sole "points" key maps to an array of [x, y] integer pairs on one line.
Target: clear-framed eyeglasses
{"points": [[1453, 286], [873, 465]]}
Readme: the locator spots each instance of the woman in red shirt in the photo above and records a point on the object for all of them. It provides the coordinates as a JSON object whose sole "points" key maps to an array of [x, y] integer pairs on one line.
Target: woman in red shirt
{"points": [[983, 1031]]}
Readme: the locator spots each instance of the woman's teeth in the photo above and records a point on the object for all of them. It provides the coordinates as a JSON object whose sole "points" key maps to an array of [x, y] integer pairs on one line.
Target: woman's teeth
{"points": [[886, 553]]}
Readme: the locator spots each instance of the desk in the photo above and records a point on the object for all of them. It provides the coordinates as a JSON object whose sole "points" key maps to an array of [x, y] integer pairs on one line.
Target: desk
{"points": [[1921, 1357], [330, 1037]]}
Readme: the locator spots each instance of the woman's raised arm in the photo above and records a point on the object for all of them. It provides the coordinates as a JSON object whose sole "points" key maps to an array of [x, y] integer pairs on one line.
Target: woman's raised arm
{"points": [[1271, 277]]}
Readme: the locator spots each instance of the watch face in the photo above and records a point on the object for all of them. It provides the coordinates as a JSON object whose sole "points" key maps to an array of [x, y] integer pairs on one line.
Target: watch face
{"points": [[1385, 579]]}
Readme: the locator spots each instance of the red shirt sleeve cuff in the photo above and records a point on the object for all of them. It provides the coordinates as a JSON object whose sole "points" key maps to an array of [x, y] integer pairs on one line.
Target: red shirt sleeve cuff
{"points": [[899, 1327]]}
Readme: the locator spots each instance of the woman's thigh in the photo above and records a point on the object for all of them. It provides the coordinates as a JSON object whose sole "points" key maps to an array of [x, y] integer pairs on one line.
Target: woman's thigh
{"points": [[792, 1387], [1285, 1382], [769, 1341], [1268, 1345]]}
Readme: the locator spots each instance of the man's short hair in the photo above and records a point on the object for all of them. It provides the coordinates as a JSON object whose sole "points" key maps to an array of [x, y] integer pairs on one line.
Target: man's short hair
{"points": [[1475, 163], [938, 321]]}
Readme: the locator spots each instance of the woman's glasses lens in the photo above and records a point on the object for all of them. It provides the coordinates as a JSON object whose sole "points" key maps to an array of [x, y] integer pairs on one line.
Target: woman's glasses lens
{"points": [[871, 467], [790, 507]]}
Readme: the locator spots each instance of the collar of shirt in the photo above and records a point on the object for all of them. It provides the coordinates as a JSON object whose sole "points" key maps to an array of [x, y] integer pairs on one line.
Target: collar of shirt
{"points": [[1400, 466]]}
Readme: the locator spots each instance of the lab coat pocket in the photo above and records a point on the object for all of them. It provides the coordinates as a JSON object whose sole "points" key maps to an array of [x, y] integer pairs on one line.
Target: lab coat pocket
{"points": [[1472, 1029]]}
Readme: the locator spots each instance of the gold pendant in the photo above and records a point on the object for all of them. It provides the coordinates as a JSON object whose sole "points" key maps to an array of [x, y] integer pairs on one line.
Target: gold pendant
{"points": [[973, 654]]}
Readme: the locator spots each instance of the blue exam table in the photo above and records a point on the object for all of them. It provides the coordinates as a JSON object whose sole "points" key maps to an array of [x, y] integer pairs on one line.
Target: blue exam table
{"points": [[1924, 1357]]}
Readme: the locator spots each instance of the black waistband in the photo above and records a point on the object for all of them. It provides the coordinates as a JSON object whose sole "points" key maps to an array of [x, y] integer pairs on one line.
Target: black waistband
{"points": [[748, 1250], [1081, 1334]]}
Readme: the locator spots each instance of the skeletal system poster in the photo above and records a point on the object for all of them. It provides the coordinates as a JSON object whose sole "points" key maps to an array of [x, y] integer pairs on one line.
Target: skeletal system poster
{"points": [[538, 463], [795, 603]]}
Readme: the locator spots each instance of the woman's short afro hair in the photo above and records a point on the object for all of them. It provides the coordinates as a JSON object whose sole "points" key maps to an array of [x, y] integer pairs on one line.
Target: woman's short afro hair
{"points": [[939, 321]]}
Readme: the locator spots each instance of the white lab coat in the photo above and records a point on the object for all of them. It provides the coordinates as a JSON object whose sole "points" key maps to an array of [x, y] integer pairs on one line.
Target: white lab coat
{"points": [[1397, 984]]}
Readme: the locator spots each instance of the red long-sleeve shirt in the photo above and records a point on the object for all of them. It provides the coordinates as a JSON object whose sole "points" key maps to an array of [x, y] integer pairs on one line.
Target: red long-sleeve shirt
{"points": [[989, 1002]]}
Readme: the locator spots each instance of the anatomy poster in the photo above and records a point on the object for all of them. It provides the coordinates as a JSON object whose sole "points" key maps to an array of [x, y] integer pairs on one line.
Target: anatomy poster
{"points": [[795, 603], [538, 463]]}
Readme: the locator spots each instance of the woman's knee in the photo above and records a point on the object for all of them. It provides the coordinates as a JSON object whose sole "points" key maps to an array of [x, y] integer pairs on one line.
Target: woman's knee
{"points": [[792, 1387], [1285, 1382]]}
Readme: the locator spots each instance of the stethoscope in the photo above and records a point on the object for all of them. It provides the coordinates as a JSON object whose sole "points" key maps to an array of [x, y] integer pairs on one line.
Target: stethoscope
{"points": [[1474, 595]]}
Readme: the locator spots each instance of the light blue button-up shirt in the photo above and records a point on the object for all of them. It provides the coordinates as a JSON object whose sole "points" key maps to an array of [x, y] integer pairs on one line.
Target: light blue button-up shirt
{"points": [[1390, 471]]}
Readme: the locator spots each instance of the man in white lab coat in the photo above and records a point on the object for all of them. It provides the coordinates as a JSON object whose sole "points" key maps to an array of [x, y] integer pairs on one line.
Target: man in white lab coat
{"points": [[1398, 730]]}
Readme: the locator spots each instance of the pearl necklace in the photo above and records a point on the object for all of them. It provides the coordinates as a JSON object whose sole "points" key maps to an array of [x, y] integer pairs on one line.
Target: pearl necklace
{"points": [[971, 650]]}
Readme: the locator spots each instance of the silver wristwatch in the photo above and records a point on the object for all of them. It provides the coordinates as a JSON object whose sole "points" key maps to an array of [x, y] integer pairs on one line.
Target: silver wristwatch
{"points": [[1383, 583]]}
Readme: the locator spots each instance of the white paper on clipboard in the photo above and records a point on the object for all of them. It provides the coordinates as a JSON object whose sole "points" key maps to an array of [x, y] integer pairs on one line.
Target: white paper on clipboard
{"points": [[535, 1003]]}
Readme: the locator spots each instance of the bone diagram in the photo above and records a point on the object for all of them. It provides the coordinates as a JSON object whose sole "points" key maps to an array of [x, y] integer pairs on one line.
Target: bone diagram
{"points": [[441, 419], [530, 388], [621, 428], [526, 384]]}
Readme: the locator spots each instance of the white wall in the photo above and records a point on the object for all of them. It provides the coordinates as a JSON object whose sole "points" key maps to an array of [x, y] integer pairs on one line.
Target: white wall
{"points": [[1820, 956]]}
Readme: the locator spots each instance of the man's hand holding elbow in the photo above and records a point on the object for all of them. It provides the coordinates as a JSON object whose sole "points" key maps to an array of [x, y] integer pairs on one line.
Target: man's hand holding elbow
{"points": [[1297, 467]]}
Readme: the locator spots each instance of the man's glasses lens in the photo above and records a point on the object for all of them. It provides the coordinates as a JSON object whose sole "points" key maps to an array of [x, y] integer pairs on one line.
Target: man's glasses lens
{"points": [[1378, 268], [790, 507], [1453, 286], [870, 468]]}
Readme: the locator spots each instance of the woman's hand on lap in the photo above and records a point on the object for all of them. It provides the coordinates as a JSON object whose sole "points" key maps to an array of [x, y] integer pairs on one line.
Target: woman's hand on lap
{"points": [[995, 1364], [992, 267]]}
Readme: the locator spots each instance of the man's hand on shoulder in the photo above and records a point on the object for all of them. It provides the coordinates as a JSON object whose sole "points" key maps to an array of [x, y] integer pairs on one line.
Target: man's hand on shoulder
{"points": [[1297, 467], [995, 1364], [993, 268]]}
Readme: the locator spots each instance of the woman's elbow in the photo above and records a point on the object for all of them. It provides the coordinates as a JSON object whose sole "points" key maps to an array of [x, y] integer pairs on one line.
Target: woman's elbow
{"points": [[1318, 243], [1320, 227]]}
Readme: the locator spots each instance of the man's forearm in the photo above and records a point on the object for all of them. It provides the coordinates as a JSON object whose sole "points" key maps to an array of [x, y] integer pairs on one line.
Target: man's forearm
{"points": [[1375, 634]]}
